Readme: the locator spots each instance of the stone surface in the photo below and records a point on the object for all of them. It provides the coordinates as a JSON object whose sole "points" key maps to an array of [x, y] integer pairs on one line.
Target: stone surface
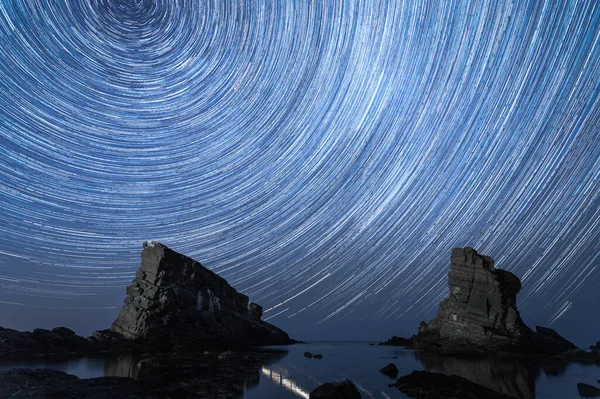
{"points": [[308, 354], [588, 391], [423, 384], [390, 370], [174, 300], [480, 315], [318, 356], [336, 390]]}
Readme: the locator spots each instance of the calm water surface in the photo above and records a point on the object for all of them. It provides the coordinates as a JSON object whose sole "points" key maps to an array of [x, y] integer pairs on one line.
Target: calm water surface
{"points": [[295, 376]]}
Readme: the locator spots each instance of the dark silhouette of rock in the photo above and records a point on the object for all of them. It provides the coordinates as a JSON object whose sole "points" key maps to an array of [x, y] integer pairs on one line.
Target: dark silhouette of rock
{"points": [[423, 384], [308, 355], [390, 370], [588, 391], [398, 341], [174, 300], [59, 341], [318, 356], [336, 390], [480, 315]]}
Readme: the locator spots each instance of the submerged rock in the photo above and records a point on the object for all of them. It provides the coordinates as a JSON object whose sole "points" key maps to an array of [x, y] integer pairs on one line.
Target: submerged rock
{"points": [[174, 300], [336, 390], [390, 370], [423, 384], [480, 315], [308, 355]]}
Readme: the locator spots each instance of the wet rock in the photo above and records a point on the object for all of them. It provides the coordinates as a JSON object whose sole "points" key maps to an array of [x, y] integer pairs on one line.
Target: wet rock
{"points": [[336, 390], [308, 354], [480, 315], [398, 341], [174, 300], [390, 370], [588, 391], [423, 384], [318, 356]]}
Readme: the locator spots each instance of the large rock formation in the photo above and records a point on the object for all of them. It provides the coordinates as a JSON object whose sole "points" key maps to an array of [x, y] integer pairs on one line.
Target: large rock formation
{"points": [[481, 316], [174, 300]]}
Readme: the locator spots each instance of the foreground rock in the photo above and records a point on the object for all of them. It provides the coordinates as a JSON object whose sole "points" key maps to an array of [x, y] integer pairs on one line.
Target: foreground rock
{"points": [[174, 300], [480, 315], [423, 384], [588, 391], [336, 390], [160, 376], [390, 370]]}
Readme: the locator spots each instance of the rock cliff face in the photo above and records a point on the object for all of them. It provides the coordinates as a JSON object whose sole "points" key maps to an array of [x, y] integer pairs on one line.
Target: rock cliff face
{"points": [[174, 300], [481, 315]]}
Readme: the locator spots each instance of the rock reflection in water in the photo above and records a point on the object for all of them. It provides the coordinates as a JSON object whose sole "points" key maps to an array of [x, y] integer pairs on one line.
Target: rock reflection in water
{"points": [[509, 376], [123, 366], [284, 380]]}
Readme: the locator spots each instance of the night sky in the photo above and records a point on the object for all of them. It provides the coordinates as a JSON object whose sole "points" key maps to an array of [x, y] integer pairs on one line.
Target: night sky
{"points": [[322, 156]]}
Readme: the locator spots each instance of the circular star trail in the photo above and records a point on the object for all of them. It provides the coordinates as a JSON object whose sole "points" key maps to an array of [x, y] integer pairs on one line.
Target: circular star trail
{"points": [[322, 156]]}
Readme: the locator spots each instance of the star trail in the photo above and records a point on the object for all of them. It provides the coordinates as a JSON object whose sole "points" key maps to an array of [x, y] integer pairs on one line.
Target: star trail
{"points": [[322, 156]]}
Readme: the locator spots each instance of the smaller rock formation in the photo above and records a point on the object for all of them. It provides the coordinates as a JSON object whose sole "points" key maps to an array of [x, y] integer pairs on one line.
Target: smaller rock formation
{"points": [[423, 384], [480, 315], [174, 300], [318, 356], [336, 390], [390, 370], [398, 341], [308, 355], [588, 391]]}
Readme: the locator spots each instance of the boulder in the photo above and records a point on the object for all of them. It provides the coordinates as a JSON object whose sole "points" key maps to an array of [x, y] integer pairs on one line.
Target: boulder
{"points": [[336, 390], [480, 315], [308, 355], [390, 370], [588, 391], [174, 300], [318, 356]]}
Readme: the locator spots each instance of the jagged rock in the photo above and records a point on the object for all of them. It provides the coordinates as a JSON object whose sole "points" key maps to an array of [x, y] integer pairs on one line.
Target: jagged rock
{"points": [[398, 341], [481, 316], [174, 300], [423, 384], [390, 370], [308, 354], [318, 356], [336, 390], [588, 391]]}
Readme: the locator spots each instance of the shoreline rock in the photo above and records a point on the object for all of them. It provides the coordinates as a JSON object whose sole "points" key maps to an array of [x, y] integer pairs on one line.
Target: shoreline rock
{"points": [[480, 315]]}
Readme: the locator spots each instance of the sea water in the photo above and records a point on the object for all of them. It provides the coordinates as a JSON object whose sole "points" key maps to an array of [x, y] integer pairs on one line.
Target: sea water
{"points": [[295, 376]]}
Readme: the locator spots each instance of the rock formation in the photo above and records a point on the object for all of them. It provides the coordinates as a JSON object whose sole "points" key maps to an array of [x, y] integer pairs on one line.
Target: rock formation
{"points": [[174, 300], [481, 316]]}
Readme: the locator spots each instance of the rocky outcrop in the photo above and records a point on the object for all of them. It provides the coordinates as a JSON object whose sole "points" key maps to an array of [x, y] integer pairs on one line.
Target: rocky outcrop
{"points": [[588, 391], [423, 384], [174, 300], [390, 370], [336, 390], [481, 316], [398, 341], [58, 342]]}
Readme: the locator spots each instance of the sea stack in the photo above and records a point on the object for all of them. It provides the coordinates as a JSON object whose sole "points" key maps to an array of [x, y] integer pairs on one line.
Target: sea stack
{"points": [[174, 300], [480, 315]]}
